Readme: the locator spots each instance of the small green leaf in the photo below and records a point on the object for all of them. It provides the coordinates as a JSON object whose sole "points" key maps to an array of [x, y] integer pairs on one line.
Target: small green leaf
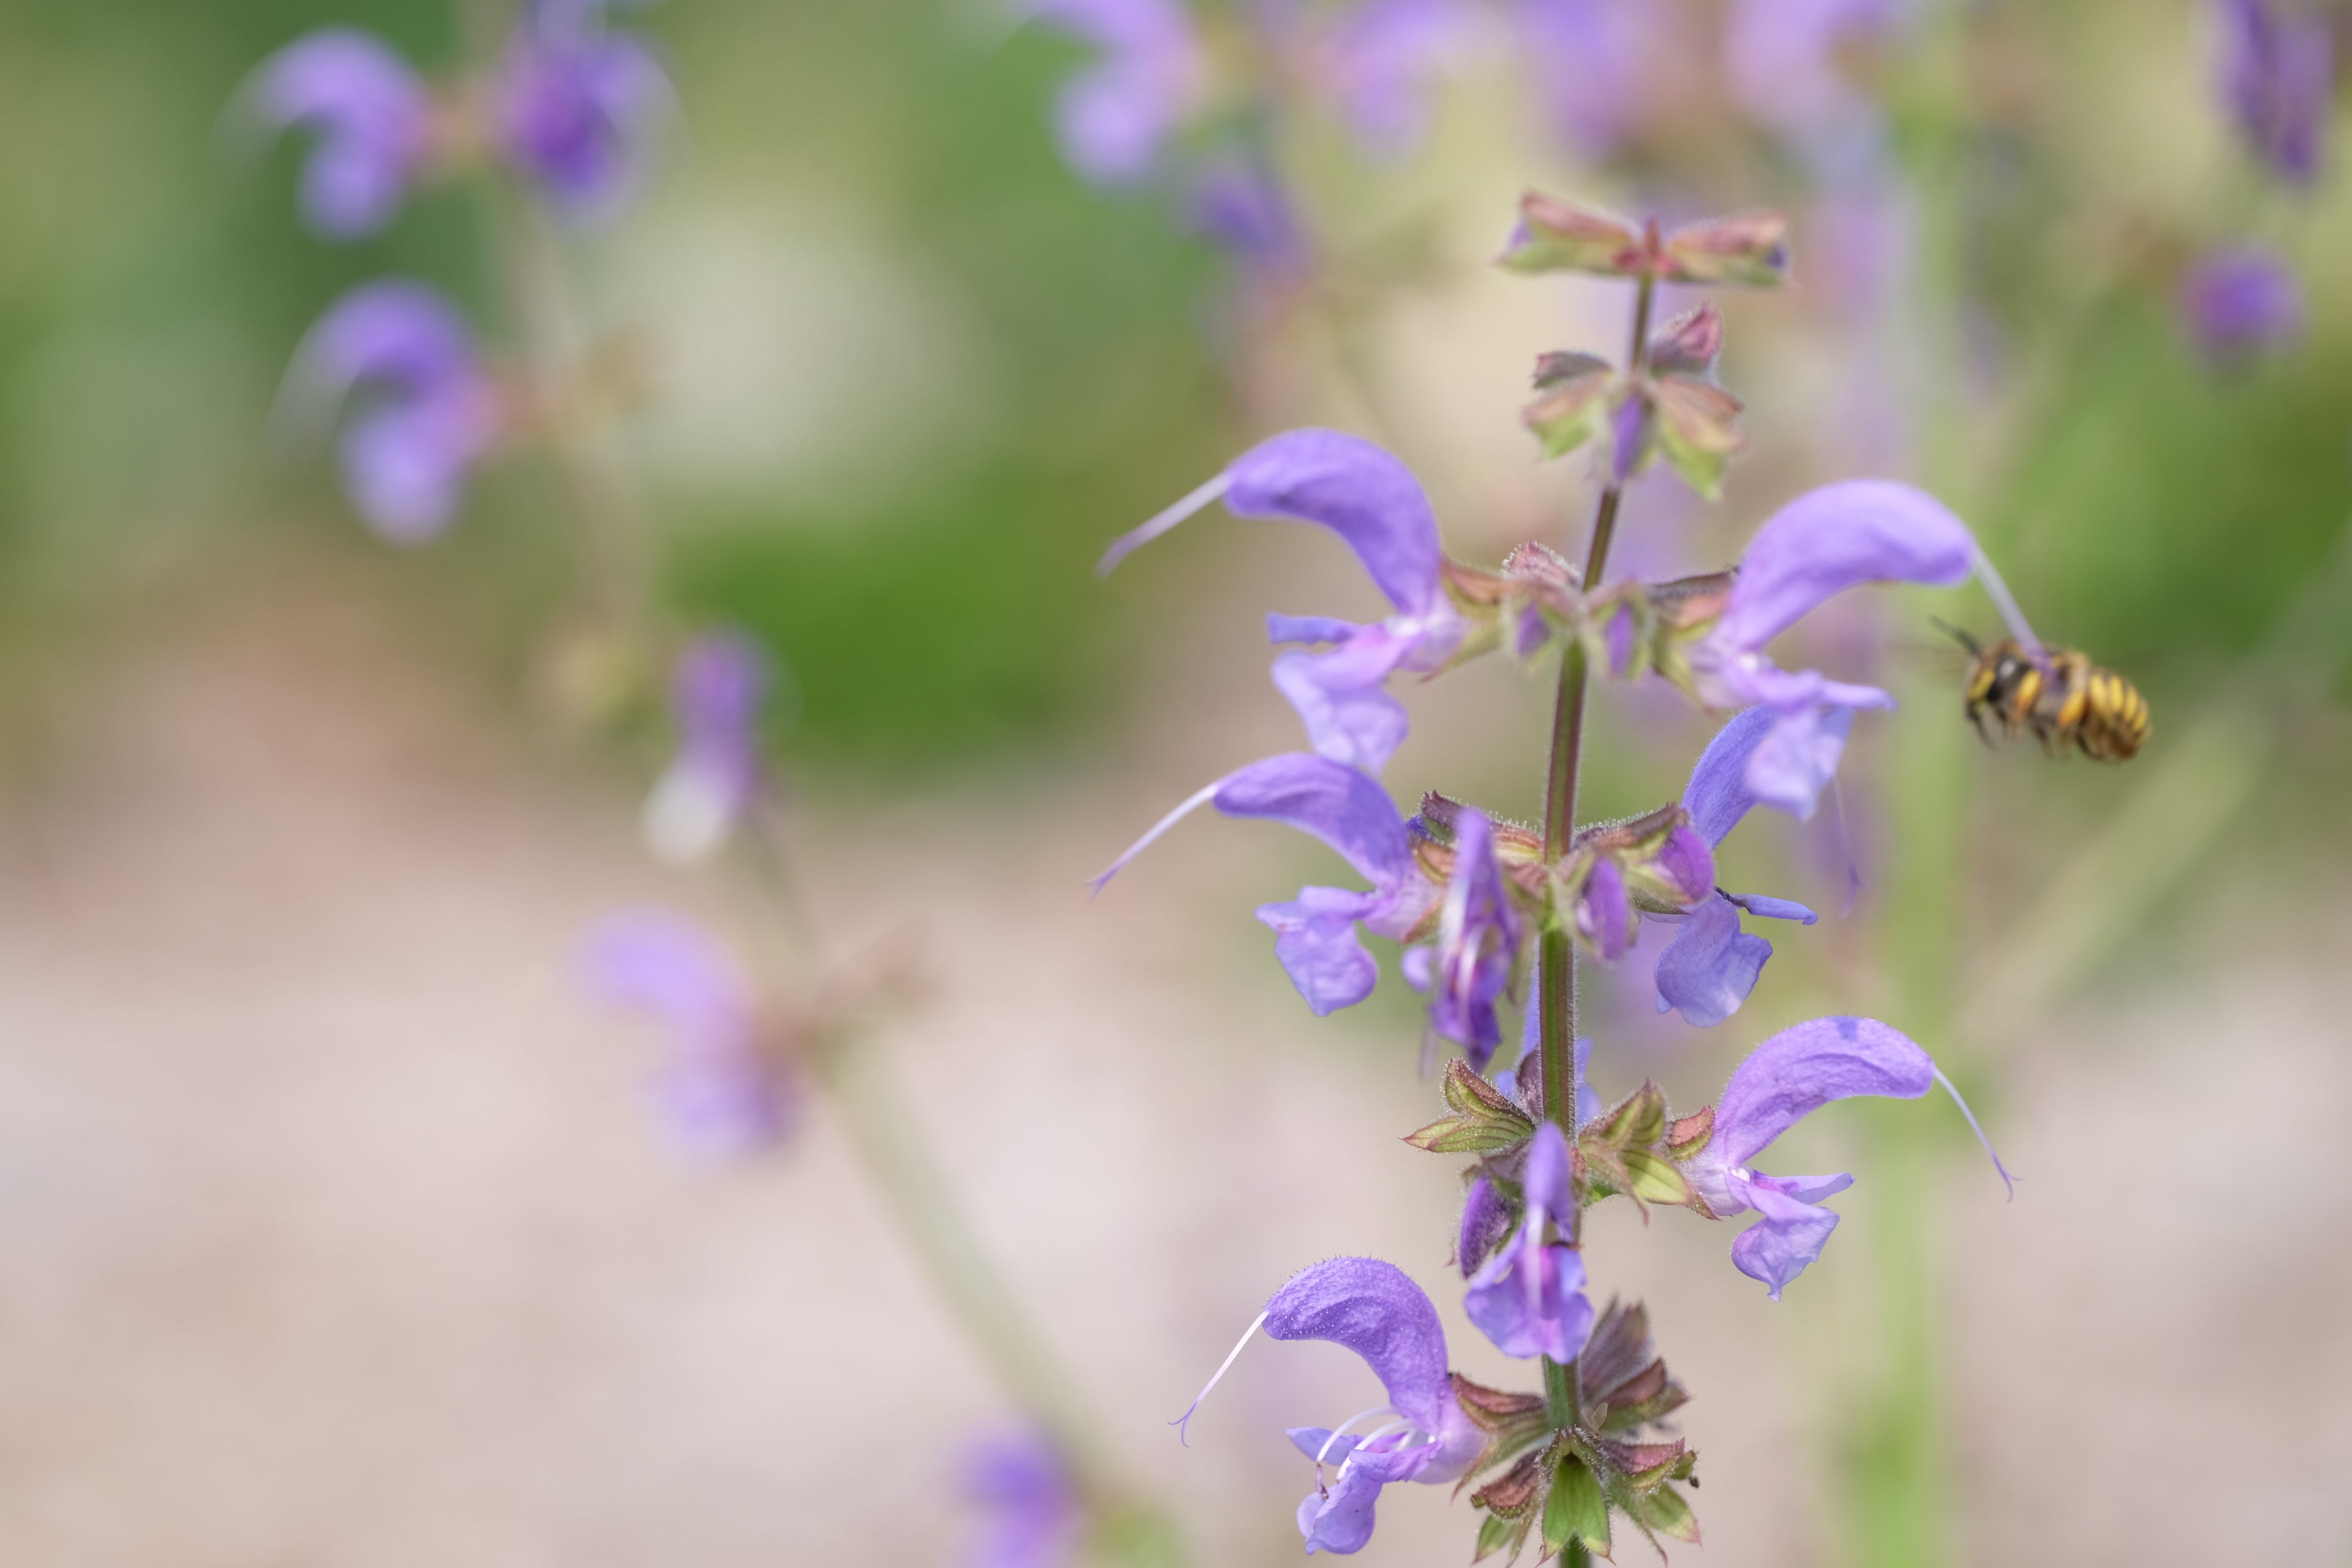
{"points": [[1494, 1532], [1656, 1180], [1575, 1511], [1468, 1135], [1666, 1512], [1697, 431], [1745, 247]]}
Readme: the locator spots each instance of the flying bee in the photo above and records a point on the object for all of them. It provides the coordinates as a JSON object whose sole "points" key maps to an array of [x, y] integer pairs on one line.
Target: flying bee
{"points": [[2062, 696]]}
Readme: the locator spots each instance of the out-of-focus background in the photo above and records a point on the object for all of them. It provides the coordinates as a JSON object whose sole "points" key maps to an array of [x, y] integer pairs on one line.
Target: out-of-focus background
{"points": [[333, 1229]]}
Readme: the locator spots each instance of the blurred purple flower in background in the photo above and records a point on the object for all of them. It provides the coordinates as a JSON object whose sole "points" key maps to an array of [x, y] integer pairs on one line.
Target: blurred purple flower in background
{"points": [[718, 1095], [1783, 1080], [577, 108], [1593, 62], [1315, 934], [1031, 1516], [1826, 541], [716, 692], [1242, 205], [1782, 60], [1372, 500], [1711, 965], [1115, 116], [425, 409], [1380, 63], [372, 116], [2278, 80], [2239, 302], [1529, 1297]]}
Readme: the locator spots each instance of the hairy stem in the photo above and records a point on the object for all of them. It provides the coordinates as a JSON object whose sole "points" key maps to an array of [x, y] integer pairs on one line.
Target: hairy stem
{"points": [[1556, 975]]}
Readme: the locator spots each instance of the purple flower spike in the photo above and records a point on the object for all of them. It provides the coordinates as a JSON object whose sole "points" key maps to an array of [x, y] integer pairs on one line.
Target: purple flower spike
{"points": [[1838, 537], [1382, 62], [2239, 303], [578, 108], [373, 117], [717, 1095], [721, 680], [1783, 1080], [1315, 935], [1373, 501], [1529, 1297], [1032, 1514], [427, 410], [1478, 936], [1116, 116], [1711, 965], [2278, 79]]}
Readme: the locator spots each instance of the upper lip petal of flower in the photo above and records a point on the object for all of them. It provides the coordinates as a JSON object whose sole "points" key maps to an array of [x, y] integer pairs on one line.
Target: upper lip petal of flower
{"points": [[1478, 937], [372, 116], [1839, 537]]}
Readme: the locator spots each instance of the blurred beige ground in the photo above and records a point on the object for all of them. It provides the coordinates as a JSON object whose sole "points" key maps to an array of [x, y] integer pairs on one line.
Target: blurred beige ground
{"points": [[331, 1232]]}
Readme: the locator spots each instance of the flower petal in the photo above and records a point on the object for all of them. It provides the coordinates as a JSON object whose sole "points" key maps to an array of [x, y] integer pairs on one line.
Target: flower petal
{"points": [[1330, 801], [1803, 1068], [1373, 1308], [1790, 1236], [1711, 965], [1835, 538], [371, 113], [1360, 492], [1773, 909], [1798, 758], [1342, 698], [1315, 939], [1717, 796], [1529, 1300]]}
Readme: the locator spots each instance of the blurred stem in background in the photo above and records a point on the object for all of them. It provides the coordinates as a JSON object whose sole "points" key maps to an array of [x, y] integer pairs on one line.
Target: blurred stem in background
{"points": [[1895, 1444], [601, 666]]}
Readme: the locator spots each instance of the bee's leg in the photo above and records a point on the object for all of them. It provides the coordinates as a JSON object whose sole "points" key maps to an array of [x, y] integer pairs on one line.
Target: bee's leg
{"points": [[1976, 722]]}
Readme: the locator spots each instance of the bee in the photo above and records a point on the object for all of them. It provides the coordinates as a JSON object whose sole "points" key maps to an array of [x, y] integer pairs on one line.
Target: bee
{"points": [[2062, 696]]}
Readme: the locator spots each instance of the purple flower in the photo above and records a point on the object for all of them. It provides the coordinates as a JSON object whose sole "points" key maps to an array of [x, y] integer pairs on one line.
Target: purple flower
{"points": [[426, 413], [1478, 938], [1381, 61], [1824, 542], [1373, 1309], [2278, 79], [1789, 1076], [717, 1095], [373, 117], [1710, 966], [1315, 934], [1116, 115], [1782, 57], [1373, 501], [1031, 1515], [577, 108], [1593, 62], [1242, 206], [2239, 302], [716, 692], [1529, 1297]]}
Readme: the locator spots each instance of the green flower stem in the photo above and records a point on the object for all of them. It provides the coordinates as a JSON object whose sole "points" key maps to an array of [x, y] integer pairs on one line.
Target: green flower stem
{"points": [[1555, 976]]}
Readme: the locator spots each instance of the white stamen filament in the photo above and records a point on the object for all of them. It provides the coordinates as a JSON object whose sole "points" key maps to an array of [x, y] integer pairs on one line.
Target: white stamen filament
{"points": [[1183, 1421], [1428, 1440], [1337, 1432], [1997, 592], [1128, 542], [2007, 1180], [1193, 804]]}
